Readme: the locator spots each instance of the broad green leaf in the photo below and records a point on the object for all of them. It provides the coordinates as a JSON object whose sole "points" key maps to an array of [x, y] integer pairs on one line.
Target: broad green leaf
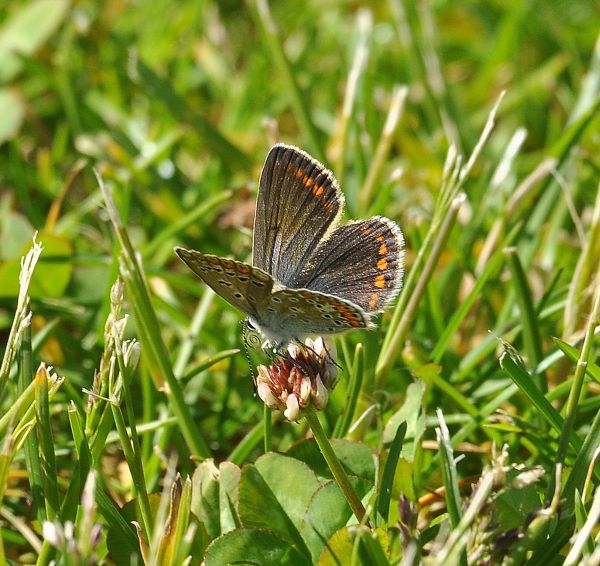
{"points": [[259, 508], [16, 232], [253, 546], [357, 459], [328, 512], [205, 497], [229, 491], [514, 505], [52, 273], [339, 549], [292, 482]]}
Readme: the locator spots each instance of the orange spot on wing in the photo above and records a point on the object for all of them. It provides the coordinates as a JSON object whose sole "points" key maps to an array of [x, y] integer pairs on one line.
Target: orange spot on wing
{"points": [[299, 172], [373, 300], [307, 181], [380, 238], [382, 264], [383, 249], [380, 281], [318, 190], [242, 268]]}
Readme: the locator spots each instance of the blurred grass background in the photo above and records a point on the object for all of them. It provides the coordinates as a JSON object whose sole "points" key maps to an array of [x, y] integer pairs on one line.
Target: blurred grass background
{"points": [[176, 104]]}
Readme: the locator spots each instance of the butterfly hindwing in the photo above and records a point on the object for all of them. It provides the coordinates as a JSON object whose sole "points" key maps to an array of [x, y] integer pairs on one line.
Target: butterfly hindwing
{"points": [[360, 262], [299, 201], [303, 312], [242, 285]]}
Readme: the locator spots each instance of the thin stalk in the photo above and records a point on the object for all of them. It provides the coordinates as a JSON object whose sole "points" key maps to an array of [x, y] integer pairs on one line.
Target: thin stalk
{"points": [[342, 426], [335, 466], [365, 26], [22, 313], [132, 450], [149, 327], [493, 266], [383, 147], [389, 354], [583, 271], [190, 339], [530, 332], [579, 378], [144, 503], [456, 542], [585, 532], [298, 98], [517, 202], [267, 429], [32, 449], [46, 441], [450, 477]]}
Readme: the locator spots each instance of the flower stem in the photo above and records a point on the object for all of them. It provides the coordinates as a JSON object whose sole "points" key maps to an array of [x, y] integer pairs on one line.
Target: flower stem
{"points": [[335, 466], [267, 429]]}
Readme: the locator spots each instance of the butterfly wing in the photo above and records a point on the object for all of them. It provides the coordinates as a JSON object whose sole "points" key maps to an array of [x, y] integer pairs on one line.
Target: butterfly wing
{"points": [[293, 314], [299, 201], [360, 262], [245, 287]]}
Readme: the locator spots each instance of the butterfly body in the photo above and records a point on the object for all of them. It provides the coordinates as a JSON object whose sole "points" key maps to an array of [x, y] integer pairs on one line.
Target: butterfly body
{"points": [[310, 276]]}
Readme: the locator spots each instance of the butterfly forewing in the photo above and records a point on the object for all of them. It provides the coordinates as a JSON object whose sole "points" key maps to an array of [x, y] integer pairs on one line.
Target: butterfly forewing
{"points": [[299, 201], [245, 287], [360, 262]]}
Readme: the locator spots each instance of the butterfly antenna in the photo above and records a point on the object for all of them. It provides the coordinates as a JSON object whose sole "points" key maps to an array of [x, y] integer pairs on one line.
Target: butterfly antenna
{"points": [[247, 352]]}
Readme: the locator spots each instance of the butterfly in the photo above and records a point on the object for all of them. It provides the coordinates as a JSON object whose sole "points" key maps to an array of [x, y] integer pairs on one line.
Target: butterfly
{"points": [[310, 275]]}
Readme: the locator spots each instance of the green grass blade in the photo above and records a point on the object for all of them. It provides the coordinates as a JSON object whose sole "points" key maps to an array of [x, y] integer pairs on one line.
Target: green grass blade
{"points": [[152, 342], [342, 426], [48, 459], [387, 479]]}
